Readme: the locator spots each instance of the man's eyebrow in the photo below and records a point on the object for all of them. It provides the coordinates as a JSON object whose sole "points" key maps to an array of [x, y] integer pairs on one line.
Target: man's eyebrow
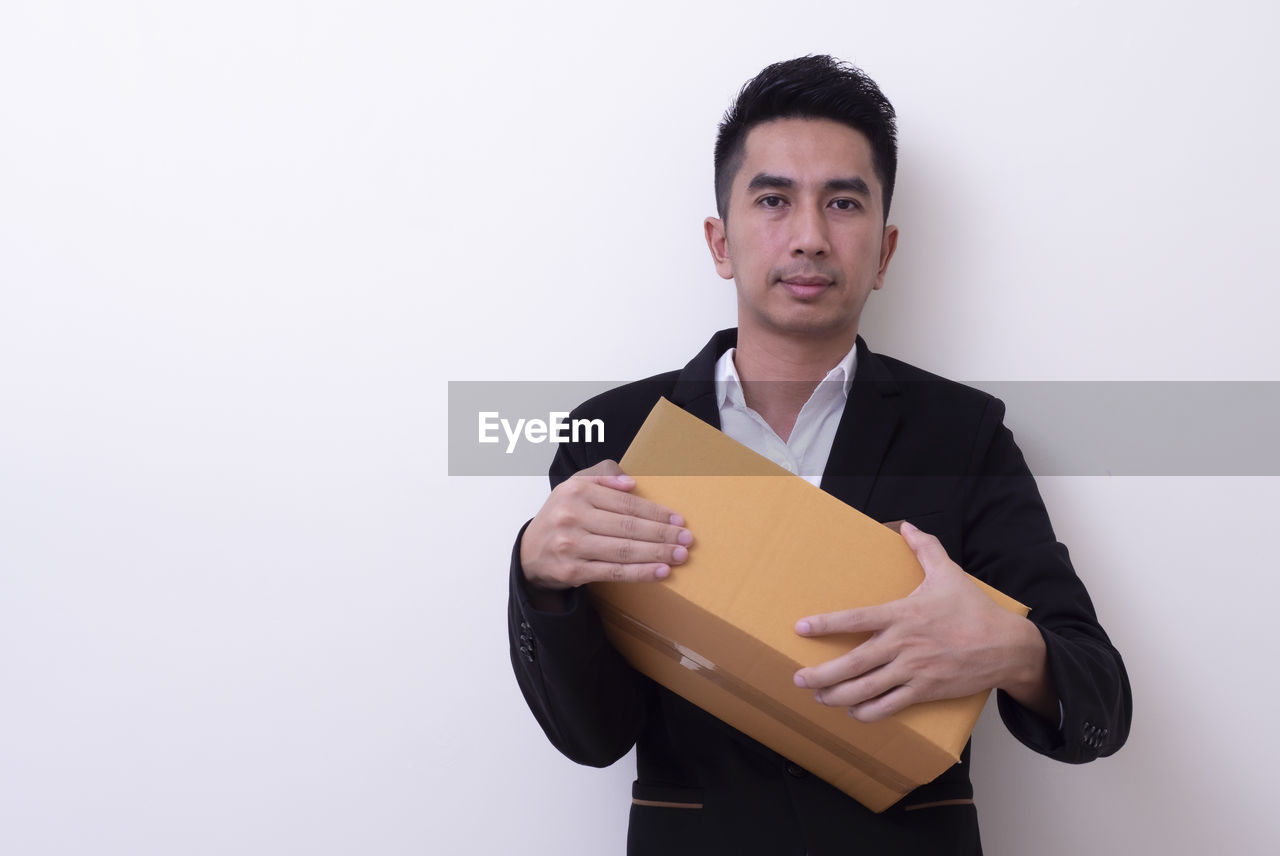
{"points": [[764, 179], [849, 185]]}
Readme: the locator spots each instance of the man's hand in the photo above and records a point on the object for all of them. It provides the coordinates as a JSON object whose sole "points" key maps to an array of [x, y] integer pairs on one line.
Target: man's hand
{"points": [[591, 528], [947, 639]]}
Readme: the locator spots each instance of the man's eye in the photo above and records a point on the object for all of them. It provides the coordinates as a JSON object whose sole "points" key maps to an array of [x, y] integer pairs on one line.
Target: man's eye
{"points": [[845, 204], [771, 201]]}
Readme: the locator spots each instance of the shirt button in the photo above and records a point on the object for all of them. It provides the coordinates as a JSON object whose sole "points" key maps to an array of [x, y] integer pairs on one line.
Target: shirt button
{"points": [[796, 770]]}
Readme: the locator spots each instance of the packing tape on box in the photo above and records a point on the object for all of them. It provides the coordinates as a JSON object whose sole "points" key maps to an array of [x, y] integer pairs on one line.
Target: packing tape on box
{"points": [[699, 664]]}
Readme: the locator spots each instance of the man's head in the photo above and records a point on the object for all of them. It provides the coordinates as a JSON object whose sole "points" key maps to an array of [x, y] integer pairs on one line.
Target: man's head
{"points": [[804, 172], [811, 87]]}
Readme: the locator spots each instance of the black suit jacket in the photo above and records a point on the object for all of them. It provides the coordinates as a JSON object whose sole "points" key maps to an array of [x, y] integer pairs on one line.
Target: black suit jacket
{"points": [[912, 446]]}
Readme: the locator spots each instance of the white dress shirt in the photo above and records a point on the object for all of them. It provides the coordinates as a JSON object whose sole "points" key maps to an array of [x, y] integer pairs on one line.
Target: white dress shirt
{"points": [[806, 451]]}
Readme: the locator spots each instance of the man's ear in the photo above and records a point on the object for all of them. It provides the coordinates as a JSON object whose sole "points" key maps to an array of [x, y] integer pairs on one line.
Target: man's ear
{"points": [[718, 243], [888, 244]]}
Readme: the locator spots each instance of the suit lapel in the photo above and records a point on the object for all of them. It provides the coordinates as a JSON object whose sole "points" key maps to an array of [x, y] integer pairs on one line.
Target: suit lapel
{"points": [[695, 389], [866, 429]]}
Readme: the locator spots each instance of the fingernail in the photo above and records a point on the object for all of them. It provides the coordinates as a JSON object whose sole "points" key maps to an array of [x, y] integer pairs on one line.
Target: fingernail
{"points": [[802, 626], [907, 525], [676, 520], [624, 481], [685, 537], [799, 679], [679, 554], [663, 572]]}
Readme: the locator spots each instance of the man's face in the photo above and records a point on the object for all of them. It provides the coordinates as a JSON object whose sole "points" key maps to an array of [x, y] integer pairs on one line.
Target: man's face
{"points": [[804, 237]]}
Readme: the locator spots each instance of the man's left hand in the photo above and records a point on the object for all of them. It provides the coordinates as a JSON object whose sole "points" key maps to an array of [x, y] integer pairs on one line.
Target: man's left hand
{"points": [[947, 639]]}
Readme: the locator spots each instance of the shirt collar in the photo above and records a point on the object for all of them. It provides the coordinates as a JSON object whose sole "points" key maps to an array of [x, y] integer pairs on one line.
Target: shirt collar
{"points": [[729, 385]]}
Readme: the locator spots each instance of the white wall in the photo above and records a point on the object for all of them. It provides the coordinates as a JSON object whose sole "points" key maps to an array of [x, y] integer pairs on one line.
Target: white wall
{"points": [[244, 246]]}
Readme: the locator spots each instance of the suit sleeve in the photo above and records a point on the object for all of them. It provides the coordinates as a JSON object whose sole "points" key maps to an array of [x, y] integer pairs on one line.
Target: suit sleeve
{"points": [[1010, 543], [586, 697]]}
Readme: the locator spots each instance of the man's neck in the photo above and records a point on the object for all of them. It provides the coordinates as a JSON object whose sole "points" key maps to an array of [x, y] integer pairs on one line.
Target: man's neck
{"points": [[779, 374]]}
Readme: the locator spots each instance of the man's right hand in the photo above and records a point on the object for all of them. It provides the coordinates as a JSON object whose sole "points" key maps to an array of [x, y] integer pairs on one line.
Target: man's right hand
{"points": [[591, 528]]}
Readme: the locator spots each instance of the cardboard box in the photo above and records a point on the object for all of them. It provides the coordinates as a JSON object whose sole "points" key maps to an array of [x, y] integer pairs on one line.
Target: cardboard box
{"points": [[770, 549]]}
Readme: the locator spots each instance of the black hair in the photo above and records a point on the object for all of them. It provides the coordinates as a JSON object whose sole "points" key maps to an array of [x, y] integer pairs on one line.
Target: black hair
{"points": [[809, 87]]}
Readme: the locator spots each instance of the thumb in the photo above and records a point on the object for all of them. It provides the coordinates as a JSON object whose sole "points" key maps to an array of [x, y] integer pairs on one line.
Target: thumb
{"points": [[609, 474], [929, 551]]}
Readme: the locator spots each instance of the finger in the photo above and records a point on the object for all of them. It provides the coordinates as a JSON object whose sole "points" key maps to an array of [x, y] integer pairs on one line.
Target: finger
{"points": [[928, 549], [863, 689], [608, 523], [624, 551], [616, 572], [620, 502], [610, 475], [607, 467], [865, 619], [607, 473], [868, 656], [884, 706]]}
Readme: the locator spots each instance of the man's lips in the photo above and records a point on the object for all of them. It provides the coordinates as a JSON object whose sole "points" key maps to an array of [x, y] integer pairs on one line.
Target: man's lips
{"points": [[805, 286]]}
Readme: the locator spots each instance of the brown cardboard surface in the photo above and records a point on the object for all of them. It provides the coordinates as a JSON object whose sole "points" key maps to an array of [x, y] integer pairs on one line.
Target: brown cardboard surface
{"points": [[770, 549]]}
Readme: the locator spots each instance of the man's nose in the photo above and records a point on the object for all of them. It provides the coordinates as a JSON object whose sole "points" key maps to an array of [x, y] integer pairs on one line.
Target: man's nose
{"points": [[809, 232]]}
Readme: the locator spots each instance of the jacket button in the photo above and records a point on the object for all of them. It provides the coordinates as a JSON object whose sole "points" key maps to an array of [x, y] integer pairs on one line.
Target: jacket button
{"points": [[796, 770]]}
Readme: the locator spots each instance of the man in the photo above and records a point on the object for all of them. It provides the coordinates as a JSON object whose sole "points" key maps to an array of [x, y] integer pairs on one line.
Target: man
{"points": [[805, 164]]}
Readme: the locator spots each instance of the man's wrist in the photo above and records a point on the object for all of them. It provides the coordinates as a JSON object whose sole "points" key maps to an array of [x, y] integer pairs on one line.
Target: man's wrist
{"points": [[541, 598], [1028, 682]]}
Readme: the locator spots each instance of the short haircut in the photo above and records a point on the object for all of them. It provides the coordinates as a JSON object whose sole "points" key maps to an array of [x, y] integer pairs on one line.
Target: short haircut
{"points": [[809, 87]]}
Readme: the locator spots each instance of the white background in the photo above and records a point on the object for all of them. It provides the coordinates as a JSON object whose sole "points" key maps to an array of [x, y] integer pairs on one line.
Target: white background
{"points": [[244, 246]]}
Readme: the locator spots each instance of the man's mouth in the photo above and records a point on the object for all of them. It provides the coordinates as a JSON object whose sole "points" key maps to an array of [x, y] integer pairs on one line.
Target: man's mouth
{"points": [[805, 287]]}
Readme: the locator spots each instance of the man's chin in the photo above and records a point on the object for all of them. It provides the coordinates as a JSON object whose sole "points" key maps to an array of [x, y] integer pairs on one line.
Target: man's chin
{"points": [[808, 326]]}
